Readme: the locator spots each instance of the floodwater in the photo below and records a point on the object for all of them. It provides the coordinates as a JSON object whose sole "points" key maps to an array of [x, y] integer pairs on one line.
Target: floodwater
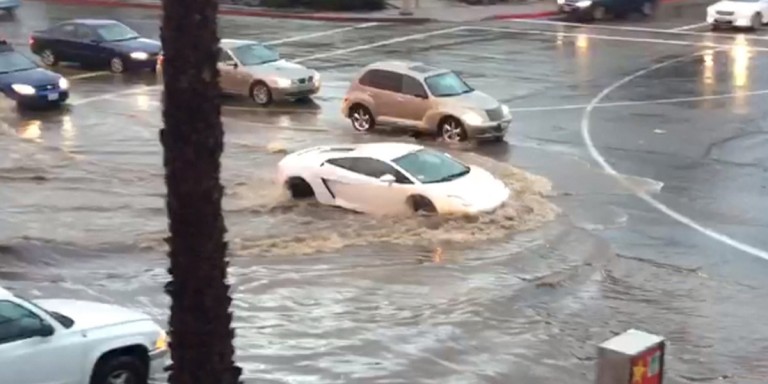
{"points": [[521, 295]]}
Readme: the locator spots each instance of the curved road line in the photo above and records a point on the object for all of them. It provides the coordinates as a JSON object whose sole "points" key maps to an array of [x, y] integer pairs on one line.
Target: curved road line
{"points": [[641, 194]]}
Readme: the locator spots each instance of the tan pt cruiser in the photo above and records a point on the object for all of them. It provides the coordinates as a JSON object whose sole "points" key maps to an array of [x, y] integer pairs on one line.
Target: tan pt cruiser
{"points": [[252, 69], [423, 98]]}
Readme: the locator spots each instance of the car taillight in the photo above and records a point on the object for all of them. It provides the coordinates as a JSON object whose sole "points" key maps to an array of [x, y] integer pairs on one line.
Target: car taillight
{"points": [[31, 40], [160, 59]]}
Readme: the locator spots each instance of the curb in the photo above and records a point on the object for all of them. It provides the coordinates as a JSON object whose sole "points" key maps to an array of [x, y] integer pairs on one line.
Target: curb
{"points": [[245, 11]]}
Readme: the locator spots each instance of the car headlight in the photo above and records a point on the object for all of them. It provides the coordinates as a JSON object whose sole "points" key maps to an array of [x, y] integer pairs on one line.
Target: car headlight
{"points": [[162, 341], [472, 118], [23, 89], [316, 77], [282, 83], [505, 110], [64, 83], [560, 2], [139, 55], [584, 4]]}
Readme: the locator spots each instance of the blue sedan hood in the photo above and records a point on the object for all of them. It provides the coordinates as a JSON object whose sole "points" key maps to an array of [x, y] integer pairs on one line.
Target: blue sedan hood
{"points": [[33, 77], [135, 45]]}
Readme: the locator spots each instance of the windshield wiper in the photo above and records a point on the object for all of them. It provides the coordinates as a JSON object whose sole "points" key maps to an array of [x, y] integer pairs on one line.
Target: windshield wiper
{"points": [[452, 176]]}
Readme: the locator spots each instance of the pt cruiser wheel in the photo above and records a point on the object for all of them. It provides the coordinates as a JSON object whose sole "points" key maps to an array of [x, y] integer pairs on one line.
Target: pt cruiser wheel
{"points": [[362, 118], [452, 130]]}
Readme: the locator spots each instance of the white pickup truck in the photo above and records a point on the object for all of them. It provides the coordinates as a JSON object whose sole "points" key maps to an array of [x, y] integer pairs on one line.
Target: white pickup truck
{"points": [[58, 341]]}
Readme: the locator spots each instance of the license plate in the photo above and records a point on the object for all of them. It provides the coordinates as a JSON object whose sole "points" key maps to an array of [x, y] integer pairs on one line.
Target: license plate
{"points": [[53, 96]]}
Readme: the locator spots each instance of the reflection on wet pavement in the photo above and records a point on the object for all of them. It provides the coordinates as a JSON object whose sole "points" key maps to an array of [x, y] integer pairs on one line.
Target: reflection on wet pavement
{"points": [[521, 295]]}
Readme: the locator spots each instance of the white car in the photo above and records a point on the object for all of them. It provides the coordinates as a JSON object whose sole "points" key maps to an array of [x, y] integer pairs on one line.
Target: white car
{"points": [[59, 341], [390, 178], [738, 13]]}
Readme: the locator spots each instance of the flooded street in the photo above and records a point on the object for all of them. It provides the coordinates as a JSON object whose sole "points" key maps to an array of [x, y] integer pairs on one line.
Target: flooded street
{"points": [[638, 169]]}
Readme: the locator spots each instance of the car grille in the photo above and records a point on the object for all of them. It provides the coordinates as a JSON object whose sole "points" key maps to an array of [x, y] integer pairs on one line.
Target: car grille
{"points": [[305, 80], [495, 114], [46, 87], [725, 13]]}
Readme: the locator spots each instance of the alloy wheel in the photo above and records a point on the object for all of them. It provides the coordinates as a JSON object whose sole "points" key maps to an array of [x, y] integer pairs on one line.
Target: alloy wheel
{"points": [[48, 58], [116, 65], [121, 377], [361, 119], [261, 94], [452, 131]]}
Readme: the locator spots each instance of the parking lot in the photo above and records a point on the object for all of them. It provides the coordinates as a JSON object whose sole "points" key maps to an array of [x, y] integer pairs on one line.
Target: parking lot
{"points": [[653, 135]]}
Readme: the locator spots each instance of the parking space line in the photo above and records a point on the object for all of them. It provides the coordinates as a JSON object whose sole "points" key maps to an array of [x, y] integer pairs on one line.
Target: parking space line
{"points": [[415, 36], [113, 94], [87, 75], [692, 26], [638, 29], [593, 151], [323, 33], [640, 102], [608, 37]]}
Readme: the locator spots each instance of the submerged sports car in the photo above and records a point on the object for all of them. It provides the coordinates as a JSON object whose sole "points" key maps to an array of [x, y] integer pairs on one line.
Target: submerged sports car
{"points": [[390, 178]]}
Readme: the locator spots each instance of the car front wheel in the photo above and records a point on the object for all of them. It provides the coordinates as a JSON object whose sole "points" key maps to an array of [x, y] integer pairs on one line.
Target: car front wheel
{"points": [[452, 130], [119, 370], [362, 118], [757, 21], [116, 65], [649, 9]]}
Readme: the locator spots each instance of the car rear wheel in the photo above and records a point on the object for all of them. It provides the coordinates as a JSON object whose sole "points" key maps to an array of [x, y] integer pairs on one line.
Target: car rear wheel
{"points": [[116, 65], [49, 58], [422, 205], [598, 12], [362, 118], [119, 370], [261, 94], [757, 21], [452, 130], [648, 9]]}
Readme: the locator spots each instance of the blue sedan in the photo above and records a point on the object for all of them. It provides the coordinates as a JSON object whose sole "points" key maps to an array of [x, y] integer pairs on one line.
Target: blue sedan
{"points": [[22, 80], [95, 42]]}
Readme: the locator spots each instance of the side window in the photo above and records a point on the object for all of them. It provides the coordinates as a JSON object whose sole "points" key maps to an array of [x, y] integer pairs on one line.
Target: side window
{"points": [[413, 87], [384, 80], [84, 33], [67, 31], [370, 167], [16, 322], [225, 57]]}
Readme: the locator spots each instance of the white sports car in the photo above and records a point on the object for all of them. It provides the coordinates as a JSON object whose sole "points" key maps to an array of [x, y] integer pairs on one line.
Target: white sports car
{"points": [[738, 13], [390, 178]]}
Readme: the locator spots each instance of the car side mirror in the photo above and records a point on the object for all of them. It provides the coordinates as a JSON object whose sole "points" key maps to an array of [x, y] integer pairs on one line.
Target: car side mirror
{"points": [[45, 330], [389, 179], [232, 64], [421, 96]]}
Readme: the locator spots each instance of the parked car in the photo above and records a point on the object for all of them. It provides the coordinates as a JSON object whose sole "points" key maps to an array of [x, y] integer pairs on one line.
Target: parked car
{"points": [[425, 99], [599, 9], [95, 42], [77, 342], [390, 178], [249, 68], [10, 6], [738, 13], [25, 82]]}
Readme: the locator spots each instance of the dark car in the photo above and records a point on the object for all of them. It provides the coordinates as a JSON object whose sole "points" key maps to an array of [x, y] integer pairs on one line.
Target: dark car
{"points": [[93, 42], [22, 80], [599, 9]]}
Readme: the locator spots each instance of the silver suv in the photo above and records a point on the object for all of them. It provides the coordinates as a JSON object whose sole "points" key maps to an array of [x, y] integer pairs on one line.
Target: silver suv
{"points": [[423, 98]]}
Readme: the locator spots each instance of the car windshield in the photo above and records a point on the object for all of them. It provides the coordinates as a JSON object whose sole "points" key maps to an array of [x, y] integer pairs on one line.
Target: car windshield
{"points": [[430, 166], [65, 321], [15, 62], [116, 32], [447, 84], [255, 54]]}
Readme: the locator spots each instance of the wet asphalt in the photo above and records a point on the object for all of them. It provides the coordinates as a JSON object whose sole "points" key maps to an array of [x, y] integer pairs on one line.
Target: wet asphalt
{"points": [[673, 242]]}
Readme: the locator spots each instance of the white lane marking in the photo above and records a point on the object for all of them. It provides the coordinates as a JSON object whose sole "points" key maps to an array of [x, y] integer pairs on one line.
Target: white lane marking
{"points": [[640, 193], [323, 33], [415, 36], [608, 37], [692, 26], [635, 29], [113, 94], [87, 75], [640, 102]]}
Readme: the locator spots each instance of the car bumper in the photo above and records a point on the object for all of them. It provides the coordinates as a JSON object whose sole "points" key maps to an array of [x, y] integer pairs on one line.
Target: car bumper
{"points": [[735, 21], [488, 130], [158, 361], [41, 98], [134, 64], [295, 91], [572, 9]]}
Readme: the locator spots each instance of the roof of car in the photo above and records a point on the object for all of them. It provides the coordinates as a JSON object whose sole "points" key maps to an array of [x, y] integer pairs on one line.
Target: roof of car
{"points": [[413, 68], [92, 21], [381, 151], [232, 43]]}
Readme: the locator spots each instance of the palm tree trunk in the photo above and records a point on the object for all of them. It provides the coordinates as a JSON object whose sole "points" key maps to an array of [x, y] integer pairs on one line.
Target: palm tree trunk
{"points": [[200, 322]]}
